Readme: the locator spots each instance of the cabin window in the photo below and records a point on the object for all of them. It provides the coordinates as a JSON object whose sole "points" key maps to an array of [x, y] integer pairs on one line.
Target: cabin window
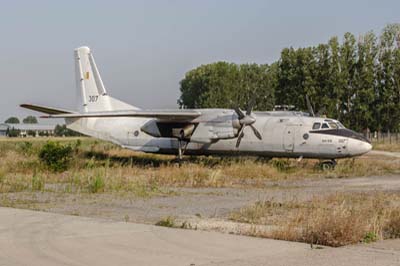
{"points": [[333, 125], [325, 125], [316, 125]]}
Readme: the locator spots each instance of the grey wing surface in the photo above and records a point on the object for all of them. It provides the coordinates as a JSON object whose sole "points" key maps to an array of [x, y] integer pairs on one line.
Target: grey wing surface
{"points": [[171, 115]]}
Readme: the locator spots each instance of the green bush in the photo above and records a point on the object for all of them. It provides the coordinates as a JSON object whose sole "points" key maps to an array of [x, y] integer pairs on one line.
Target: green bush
{"points": [[370, 237], [166, 222], [55, 156]]}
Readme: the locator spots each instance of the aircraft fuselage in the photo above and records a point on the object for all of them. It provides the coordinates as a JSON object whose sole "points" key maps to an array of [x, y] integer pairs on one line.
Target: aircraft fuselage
{"points": [[284, 134]]}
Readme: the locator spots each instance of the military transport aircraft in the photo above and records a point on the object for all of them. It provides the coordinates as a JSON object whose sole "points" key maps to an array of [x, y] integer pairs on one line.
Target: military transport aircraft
{"points": [[202, 131]]}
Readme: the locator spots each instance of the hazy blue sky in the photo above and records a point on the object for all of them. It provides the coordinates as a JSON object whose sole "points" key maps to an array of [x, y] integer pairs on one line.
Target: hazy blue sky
{"points": [[144, 48]]}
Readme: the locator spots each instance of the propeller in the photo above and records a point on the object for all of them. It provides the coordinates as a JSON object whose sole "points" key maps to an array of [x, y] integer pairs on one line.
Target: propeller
{"points": [[246, 119]]}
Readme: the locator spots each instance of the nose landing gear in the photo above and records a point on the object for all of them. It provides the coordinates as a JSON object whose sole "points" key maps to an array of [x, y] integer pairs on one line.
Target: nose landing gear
{"points": [[328, 165]]}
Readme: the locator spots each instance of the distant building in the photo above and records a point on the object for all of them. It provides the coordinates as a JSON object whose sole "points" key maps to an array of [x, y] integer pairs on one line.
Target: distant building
{"points": [[3, 130], [24, 130]]}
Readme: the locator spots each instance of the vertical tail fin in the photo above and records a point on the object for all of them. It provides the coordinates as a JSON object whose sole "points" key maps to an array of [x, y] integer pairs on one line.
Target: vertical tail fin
{"points": [[92, 95]]}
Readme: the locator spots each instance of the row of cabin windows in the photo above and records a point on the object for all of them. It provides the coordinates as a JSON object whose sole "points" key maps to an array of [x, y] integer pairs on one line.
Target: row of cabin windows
{"points": [[325, 125]]}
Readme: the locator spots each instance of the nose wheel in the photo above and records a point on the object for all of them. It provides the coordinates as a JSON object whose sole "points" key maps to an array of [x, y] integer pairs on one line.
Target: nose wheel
{"points": [[328, 165]]}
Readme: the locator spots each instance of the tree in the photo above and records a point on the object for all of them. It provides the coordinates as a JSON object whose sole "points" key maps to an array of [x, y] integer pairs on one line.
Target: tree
{"points": [[296, 77], [225, 85], [334, 83], [13, 133], [322, 98], [347, 63], [30, 120], [387, 92], [356, 81], [364, 84], [12, 120], [63, 131]]}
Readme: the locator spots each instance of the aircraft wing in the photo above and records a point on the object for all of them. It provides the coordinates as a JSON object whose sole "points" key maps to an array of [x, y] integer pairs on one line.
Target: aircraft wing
{"points": [[46, 110], [169, 115]]}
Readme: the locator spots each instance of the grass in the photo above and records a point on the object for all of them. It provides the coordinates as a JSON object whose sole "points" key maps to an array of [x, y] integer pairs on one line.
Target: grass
{"points": [[166, 222], [97, 167], [386, 146], [336, 220]]}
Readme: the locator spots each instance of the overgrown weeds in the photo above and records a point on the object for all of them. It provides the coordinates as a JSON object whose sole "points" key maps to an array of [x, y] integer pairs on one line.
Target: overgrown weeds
{"points": [[87, 165], [96, 183], [336, 220], [167, 222], [38, 182]]}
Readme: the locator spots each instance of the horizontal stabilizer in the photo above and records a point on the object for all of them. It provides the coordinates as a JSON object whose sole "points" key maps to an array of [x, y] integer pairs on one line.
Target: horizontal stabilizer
{"points": [[171, 115], [46, 110]]}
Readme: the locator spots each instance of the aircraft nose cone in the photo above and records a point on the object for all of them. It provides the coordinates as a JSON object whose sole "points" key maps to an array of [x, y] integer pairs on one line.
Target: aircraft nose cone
{"points": [[368, 147], [359, 147]]}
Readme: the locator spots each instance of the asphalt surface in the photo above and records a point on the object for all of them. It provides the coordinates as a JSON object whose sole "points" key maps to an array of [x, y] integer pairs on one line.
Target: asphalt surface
{"points": [[39, 238]]}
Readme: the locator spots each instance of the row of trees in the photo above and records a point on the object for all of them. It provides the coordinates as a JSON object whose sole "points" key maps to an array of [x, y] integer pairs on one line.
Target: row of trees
{"points": [[59, 131], [225, 85], [356, 81], [27, 120], [63, 131]]}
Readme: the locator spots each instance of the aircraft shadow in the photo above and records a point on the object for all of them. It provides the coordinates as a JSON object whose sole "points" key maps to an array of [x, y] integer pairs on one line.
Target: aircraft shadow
{"points": [[156, 161]]}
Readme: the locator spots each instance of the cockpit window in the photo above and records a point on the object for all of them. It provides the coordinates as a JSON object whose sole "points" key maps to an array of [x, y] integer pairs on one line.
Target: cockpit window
{"points": [[316, 125], [325, 125], [333, 125], [340, 125]]}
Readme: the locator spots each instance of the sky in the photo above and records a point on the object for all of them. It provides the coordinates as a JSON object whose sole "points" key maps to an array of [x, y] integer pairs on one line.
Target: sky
{"points": [[144, 48]]}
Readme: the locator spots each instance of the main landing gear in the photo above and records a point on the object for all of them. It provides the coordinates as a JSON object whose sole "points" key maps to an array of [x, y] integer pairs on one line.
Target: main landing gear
{"points": [[328, 165], [182, 145]]}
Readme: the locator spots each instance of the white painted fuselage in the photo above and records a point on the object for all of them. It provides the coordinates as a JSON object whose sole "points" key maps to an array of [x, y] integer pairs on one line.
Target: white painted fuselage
{"points": [[284, 134]]}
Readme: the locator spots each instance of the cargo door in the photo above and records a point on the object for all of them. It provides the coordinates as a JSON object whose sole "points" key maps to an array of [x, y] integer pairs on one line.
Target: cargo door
{"points": [[289, 137]]}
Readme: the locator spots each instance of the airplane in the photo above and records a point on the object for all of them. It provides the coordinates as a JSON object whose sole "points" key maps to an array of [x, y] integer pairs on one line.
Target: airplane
{"points": [[269, 134]]}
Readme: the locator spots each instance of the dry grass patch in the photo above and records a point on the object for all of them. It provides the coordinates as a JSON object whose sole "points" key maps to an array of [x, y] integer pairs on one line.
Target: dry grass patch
{"points": [[386, 146], [98, 166], [335, 220]]}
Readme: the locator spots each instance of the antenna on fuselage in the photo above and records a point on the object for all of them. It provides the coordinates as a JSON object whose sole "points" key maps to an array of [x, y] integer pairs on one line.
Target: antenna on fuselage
{"points": [[309, 106]]}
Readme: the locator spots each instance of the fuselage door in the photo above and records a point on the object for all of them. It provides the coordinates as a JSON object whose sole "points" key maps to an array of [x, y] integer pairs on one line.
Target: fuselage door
{"points": [[288, 138]]}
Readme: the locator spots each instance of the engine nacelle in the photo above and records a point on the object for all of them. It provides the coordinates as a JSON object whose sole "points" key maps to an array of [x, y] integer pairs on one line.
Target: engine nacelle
{"points": [[184, 132], [168, 130]]}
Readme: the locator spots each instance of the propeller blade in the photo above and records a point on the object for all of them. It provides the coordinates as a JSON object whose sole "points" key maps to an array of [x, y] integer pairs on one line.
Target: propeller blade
{"points": [[256, 132], [239, 113], [251, 104], [238, 140], [240, 136], [309, 106]]}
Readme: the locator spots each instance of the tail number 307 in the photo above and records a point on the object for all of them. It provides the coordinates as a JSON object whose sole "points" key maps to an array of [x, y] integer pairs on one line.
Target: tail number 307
{"points": [[93, 98]]}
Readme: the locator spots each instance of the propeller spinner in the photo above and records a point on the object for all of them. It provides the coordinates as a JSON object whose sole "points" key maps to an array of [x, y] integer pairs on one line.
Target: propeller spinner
{"points": [[246, 120]]}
